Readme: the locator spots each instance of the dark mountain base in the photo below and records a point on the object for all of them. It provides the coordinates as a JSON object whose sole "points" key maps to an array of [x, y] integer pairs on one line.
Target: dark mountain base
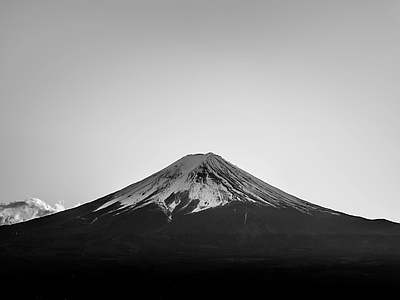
{"points": [[192, 276], [234, 251], [200, 228]]}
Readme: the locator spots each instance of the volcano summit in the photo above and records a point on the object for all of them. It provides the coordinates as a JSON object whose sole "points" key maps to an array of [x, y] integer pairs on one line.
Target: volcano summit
{"points": [[203, 221], [202, 181]]}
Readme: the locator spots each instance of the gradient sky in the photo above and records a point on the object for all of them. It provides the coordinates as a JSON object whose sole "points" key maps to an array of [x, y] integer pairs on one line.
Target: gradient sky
{"points": [[305, 95]]}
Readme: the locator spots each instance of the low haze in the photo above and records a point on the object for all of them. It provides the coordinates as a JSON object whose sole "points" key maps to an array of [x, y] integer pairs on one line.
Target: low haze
{"points": [[302, 94]]}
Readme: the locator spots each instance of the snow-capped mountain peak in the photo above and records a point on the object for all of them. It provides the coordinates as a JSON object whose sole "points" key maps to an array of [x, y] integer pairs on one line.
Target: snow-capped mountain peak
{"points": [[201, 181]]}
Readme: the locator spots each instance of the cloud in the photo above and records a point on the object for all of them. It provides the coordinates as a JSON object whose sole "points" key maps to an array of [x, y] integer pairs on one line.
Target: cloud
{"points": [[59, 207], [19, 211]]}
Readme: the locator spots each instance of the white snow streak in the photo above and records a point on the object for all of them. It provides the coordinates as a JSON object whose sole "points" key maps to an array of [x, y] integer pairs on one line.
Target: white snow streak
{"points": [[210, 181]]}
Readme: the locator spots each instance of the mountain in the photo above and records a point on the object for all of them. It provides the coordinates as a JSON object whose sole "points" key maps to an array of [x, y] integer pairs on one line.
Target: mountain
{"points": [[199, 182], [202, 222]]}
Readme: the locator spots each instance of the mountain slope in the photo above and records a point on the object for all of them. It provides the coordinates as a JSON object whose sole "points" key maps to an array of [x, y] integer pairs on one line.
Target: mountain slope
{"points": [[199, 182], [201, 221], [204, 200]]}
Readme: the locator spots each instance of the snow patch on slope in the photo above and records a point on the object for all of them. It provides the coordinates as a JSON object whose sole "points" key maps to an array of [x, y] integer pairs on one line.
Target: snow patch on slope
{"points": [[208, 181]]}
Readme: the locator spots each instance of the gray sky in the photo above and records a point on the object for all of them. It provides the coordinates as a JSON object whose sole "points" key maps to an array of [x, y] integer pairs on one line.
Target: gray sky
{"points": [[304, 95]]}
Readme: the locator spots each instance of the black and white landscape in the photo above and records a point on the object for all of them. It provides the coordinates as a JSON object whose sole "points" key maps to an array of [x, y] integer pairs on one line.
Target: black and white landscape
{"points": [[199, 227]]}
